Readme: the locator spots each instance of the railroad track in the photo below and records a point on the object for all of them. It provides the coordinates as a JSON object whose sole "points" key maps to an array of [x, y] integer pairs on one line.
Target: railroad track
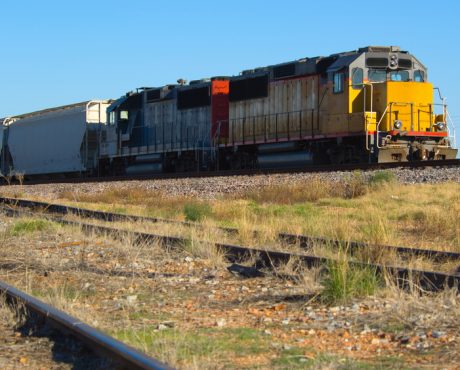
{"points": [[303, 241], [426, 280], [123, 356], [247, 172]]}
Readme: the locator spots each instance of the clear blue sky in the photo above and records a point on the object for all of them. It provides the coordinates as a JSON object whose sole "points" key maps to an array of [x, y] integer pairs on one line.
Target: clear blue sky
{"points": [[56, 52]]}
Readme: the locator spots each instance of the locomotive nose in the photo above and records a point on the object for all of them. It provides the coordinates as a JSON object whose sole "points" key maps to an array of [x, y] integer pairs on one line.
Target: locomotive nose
{"points": [[405, 106]]}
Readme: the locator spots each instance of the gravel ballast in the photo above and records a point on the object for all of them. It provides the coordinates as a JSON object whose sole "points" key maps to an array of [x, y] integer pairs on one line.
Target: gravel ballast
{"points": [[213, 187]]}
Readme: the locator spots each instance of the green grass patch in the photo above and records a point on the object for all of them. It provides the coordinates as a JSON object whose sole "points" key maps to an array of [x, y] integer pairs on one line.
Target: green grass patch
{"points": [[148, 315], [65, 292], [177, 347], [121, 210], [27, 226], [197, 211], [345, 281], [292, 359], [295, 359], [338, 203], [381, 177]]}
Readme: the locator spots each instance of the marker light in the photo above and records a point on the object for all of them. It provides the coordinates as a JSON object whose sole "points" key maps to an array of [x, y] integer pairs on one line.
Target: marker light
{"points": [[441, 126]]}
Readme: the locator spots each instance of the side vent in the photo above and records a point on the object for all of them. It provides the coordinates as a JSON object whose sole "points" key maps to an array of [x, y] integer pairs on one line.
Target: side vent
{"points": [[153, 95], [285, 70], [249, 88]]}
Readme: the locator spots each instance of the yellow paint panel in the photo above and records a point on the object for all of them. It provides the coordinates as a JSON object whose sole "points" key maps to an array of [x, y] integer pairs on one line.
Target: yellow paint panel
{"points": [[356, 100], [411, 104], [371, 121]]}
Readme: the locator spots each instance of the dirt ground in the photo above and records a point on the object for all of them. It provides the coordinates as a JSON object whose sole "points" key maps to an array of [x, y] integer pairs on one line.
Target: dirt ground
{"points": [[192, 312]]}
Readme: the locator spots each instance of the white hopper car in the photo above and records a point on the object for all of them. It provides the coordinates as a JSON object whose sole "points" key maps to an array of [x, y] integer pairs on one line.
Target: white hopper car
{"points": [[60, 140]]}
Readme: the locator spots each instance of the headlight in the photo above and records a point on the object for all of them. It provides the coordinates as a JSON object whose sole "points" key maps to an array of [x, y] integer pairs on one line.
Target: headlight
{"points": [[397, 125], [441, 126], [394, 61]]}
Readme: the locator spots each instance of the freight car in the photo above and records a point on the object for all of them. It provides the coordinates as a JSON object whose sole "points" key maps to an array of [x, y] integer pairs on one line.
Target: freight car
{"points": [[62, 140], [369, 105], [374, 104]]}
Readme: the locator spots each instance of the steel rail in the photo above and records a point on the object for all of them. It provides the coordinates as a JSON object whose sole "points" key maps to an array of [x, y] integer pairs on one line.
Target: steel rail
{"points": [[250, 172], [304, 241], [426, 280], [95, 340]]}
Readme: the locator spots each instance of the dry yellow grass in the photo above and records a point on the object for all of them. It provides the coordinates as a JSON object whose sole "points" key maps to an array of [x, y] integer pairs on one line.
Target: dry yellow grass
{"points": [[423, 215], [423, 311], [417, 215]]}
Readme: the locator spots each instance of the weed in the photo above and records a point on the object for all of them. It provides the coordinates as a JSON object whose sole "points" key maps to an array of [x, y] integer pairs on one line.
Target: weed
{"points": [[355, 185], [376, 229], [19, 177], [197, 247], [380, 177], [197, 211], [345, 281], [27, 226]]}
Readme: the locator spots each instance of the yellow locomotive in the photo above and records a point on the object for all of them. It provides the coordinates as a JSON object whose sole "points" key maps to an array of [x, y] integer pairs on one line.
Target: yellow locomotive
{"points": [[372, 104]]}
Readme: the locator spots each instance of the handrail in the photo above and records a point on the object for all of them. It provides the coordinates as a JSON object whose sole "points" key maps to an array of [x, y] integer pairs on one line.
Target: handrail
{"points": [[364, 84], [296, 113], [390, 105], [451, 129], [272, 114], [378, 124]]}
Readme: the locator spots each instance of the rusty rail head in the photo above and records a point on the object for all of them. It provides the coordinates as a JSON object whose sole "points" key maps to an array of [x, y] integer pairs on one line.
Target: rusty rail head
{"points": [[94, 340]]}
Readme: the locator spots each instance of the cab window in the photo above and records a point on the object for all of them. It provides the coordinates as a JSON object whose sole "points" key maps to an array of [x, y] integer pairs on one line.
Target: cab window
{"points": [[339, 79], [357, 78], [419, 76], [377, 75], [112, 118], [399, 76]]}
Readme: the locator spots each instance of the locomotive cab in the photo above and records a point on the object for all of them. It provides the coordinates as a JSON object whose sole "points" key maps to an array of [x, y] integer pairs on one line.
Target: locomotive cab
{"points": [[388, 90]]}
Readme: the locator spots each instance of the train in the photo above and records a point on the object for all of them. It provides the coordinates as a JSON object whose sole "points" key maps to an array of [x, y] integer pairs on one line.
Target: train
{"points": [[373, 104]]}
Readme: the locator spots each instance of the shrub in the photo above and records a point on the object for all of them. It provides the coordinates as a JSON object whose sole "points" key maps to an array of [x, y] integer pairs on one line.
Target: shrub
{"points": [[196, 211], [355, 185], [381, 177]]}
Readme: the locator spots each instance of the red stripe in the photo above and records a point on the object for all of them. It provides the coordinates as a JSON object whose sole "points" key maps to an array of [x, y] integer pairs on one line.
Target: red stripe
{"points": [[418, 133]]}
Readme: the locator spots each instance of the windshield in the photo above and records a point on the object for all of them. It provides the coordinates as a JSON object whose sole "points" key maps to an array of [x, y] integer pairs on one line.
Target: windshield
{"points": [[377, 75], [399, 76], [419, 76]]}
